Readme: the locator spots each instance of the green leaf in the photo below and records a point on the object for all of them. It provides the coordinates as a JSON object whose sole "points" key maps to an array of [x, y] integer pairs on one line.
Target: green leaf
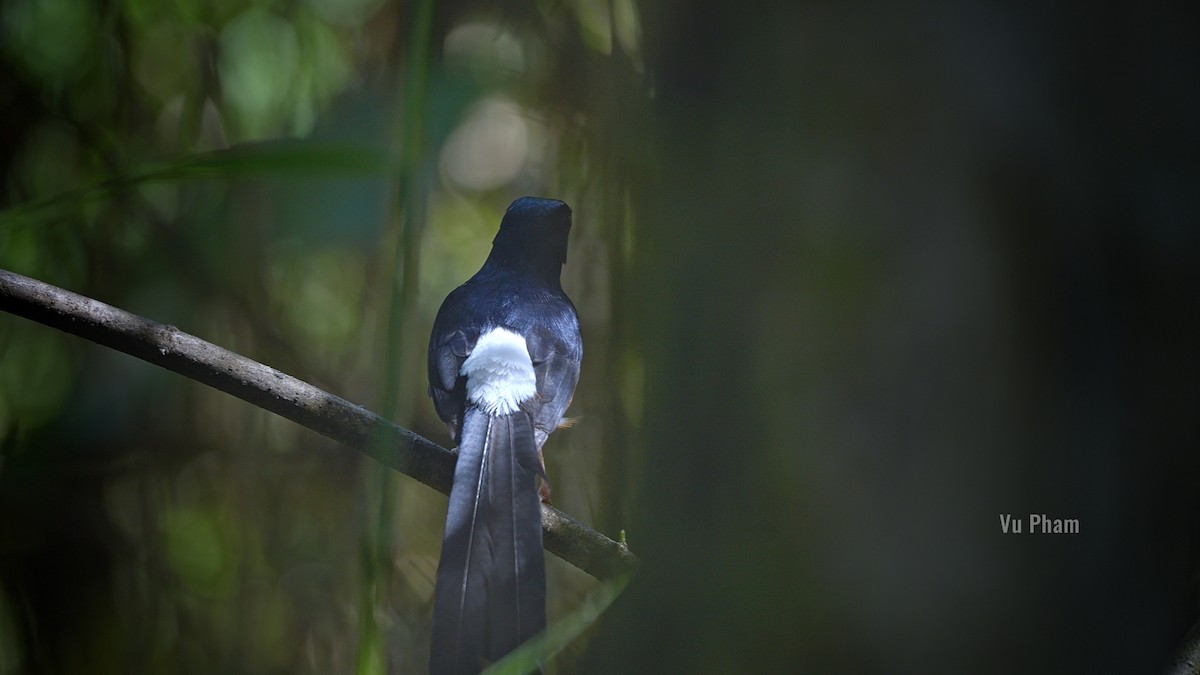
{"points": [[250, 159], [545, 645]]}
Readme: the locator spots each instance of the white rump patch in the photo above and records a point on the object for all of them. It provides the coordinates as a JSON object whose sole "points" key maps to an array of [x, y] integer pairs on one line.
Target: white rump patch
{"points": [[499, 372]]}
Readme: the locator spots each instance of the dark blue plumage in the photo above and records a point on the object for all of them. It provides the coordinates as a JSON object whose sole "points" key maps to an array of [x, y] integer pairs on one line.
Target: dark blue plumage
{"points": [[490, 593]]}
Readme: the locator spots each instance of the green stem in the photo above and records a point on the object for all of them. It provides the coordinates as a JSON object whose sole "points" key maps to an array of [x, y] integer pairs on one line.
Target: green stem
{"points": [[372, 652]]}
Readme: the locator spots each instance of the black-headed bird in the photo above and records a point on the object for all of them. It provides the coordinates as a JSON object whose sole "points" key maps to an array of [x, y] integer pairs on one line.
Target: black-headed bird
{"points": [[503, 363]]}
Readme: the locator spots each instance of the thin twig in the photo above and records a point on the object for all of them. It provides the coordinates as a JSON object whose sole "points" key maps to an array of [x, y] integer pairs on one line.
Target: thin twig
{"points": [[263, 386]]}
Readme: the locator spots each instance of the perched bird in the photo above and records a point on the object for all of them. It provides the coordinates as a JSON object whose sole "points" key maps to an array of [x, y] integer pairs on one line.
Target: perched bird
{"points": [[503, 363]]}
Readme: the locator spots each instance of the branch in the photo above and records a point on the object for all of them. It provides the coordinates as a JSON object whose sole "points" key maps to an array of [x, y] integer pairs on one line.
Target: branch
{"points": [[263, 386]]}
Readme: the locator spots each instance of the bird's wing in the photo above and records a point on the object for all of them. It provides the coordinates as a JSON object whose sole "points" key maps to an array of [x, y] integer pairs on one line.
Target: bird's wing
{"points": [[557, 370], [447, 387]]}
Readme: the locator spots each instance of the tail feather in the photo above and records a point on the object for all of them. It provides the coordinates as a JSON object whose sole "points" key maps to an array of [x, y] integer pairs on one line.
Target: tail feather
{"points": [[491, 580]]}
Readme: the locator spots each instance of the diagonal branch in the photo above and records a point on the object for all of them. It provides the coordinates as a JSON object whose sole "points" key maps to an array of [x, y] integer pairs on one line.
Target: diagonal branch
{"points": [[263, 386]]}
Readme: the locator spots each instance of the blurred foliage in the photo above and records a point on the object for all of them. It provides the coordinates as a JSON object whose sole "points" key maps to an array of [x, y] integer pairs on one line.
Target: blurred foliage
{"points": [[908, 267], [239, 169]]}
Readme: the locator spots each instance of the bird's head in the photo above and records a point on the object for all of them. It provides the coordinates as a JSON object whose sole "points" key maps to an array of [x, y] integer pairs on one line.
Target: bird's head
{"points": [[533, 235]]}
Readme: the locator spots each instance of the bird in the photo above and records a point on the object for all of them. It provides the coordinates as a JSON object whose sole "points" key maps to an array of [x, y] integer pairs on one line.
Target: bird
{"points": [[504, 358]]}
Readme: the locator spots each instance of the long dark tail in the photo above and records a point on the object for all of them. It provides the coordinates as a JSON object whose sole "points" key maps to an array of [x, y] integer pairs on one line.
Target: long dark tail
{"points": [[491, 580]]}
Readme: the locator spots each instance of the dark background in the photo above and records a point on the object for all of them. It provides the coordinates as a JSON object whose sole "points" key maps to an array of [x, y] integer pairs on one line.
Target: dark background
{"points": [[855, 281]]}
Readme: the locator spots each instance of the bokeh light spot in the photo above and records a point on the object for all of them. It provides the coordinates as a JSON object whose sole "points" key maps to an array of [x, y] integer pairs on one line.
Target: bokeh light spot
{"points": [[164, 62], [485, 45], [194, 549], [259, 53], [489, 148], [53, 39]]}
